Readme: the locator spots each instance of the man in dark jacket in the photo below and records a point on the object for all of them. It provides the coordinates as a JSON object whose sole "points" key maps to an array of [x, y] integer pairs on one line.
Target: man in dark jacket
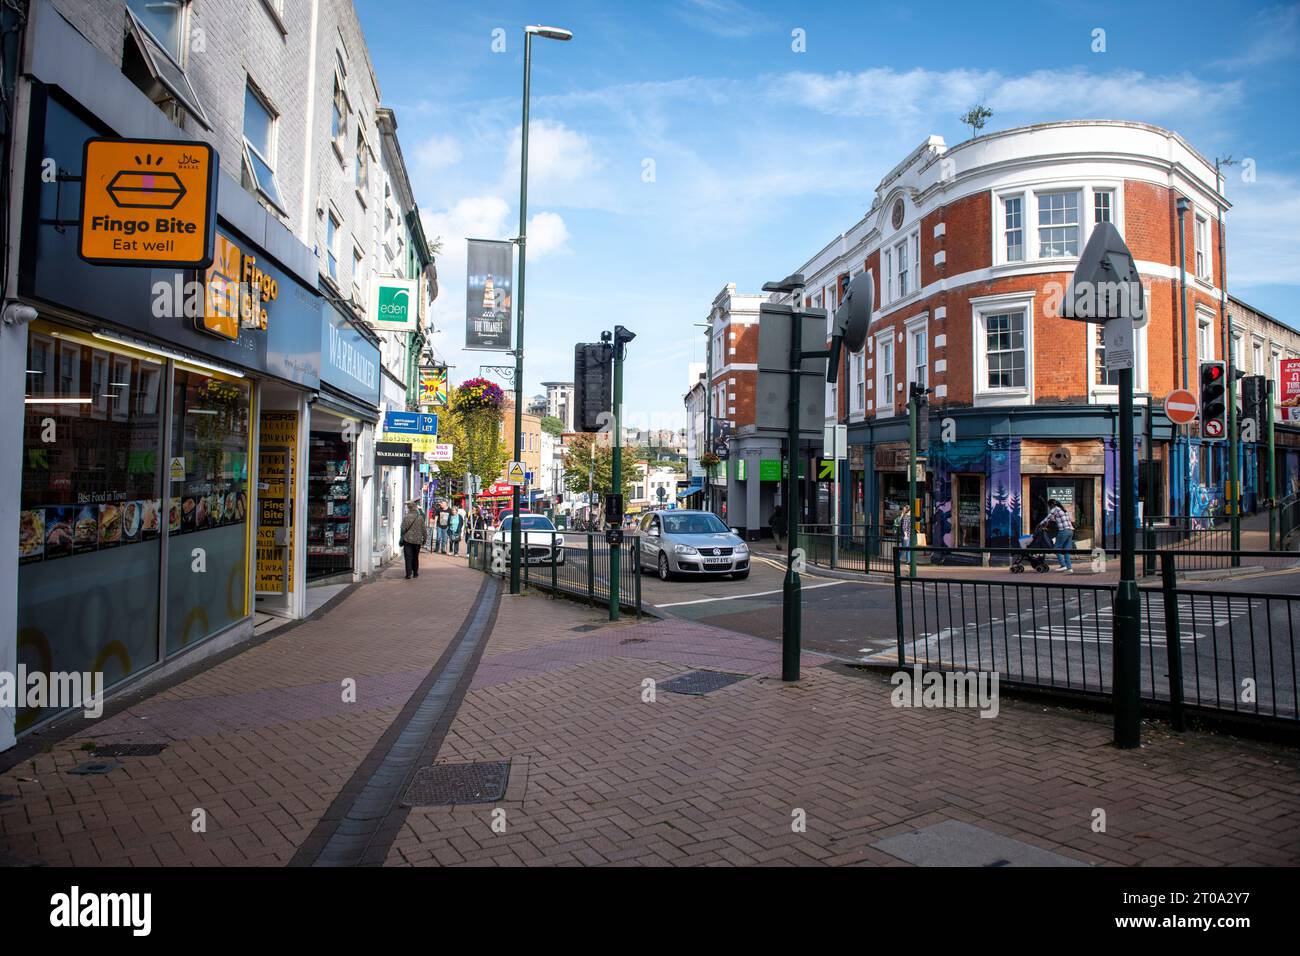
{"points": [[413, 532]]}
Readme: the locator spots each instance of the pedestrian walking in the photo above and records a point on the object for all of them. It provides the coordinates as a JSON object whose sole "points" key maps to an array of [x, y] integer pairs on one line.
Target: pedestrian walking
{"points": [[455, 528], [440, 527], [777, 521], [1058, 516], [413, 531]]}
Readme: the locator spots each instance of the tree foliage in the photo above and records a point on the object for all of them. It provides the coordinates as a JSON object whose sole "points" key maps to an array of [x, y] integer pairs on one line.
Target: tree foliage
{"points": [[475, 432], [584, 456], [552, 425]]}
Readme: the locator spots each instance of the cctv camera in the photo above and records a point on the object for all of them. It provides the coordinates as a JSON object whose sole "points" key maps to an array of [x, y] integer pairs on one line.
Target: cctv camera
{"points": [[16, 313]]}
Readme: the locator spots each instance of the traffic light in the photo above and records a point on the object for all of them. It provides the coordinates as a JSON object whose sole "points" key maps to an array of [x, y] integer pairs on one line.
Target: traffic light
{"points": [[593, 386], [1214, 403]]}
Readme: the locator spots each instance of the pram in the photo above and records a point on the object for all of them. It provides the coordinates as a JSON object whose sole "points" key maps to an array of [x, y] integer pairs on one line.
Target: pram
{"points": [[1034, 548]]}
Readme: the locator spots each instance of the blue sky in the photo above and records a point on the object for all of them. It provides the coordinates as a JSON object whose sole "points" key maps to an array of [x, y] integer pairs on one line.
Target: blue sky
{"points": [[762, 154]]}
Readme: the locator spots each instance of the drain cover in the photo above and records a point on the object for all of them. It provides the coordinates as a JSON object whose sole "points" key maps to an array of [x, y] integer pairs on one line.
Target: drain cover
{"points": [[96, 766], [701, 682], [128, 750], [634, 640], [586, 627], [451, 783]]}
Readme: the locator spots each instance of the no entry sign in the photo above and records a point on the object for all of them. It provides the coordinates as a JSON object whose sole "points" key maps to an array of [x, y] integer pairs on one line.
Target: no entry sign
{"points": [[1180, 406]]}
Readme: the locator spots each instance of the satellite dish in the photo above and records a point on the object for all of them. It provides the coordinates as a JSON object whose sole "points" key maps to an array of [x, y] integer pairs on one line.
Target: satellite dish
{"points": [[1106, 283], [853, 317]]}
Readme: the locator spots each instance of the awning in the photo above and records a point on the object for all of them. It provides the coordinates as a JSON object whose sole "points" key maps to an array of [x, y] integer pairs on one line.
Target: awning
{"points": [[694, 488]]}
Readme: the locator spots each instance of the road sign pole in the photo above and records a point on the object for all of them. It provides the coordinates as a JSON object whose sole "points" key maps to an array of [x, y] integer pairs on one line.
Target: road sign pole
{"points": [[791, 638], [911, 486], [1127, 657], [614, 549], [1272, 471]]}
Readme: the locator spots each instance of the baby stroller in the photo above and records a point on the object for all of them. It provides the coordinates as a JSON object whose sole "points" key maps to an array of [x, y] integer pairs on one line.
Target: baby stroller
{"points": [[1035, 548]]}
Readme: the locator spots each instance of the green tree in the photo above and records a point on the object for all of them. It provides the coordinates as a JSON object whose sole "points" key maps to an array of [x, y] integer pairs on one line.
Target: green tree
{"points": [[552, 426], [475, 434], [584, 456]]}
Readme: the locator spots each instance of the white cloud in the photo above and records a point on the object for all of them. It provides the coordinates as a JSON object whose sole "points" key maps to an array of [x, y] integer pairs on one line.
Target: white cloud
{"points": [[438, 152], [1260, 228], [724, 18], [925, 95], [547, 235], [556, 154], [1276, 36]]}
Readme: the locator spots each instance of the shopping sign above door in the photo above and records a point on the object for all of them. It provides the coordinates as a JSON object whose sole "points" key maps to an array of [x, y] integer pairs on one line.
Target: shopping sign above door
{"points": [[394, 304], [148, 203]]}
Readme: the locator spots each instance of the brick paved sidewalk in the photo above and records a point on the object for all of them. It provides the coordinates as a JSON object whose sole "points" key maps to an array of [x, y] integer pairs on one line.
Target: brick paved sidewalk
{"points": [[264, 744]]}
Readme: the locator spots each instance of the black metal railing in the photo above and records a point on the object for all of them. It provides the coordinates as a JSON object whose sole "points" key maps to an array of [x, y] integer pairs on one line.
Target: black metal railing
{"points": [[1288, 519], [1203, 647], [864, 548], [562, 562]]}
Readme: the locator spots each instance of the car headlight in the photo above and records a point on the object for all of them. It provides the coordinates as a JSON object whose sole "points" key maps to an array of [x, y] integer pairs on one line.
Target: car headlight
{"points": [[559, 540], [742, 548], [684, 549]]}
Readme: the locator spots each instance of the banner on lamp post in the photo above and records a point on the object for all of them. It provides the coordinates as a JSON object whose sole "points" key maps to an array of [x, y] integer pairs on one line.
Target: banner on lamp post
{"points": [[489, 275], [433, 385]]}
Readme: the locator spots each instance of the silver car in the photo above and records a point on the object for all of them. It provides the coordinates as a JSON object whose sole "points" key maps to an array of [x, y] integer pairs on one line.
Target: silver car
{"points": [[690, 542]]}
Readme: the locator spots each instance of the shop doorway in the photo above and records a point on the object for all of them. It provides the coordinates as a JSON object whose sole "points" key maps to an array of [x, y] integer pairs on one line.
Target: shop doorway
{"points": [[330, 499], [968, 511], [1076, 496]]}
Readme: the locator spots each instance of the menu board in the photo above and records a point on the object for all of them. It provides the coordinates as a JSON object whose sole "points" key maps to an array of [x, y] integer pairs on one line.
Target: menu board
{"points": [[97, 522], [278, 438]]}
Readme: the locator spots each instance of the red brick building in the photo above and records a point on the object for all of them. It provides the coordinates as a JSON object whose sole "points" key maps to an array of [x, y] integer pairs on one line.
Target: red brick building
{"points": [[967, 247]]}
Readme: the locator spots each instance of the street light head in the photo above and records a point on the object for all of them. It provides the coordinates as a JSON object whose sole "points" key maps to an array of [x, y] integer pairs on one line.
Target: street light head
{"points": [[551, 33]]}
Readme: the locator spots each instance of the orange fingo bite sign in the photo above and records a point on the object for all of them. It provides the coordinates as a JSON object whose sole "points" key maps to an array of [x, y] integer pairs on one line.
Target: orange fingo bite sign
{"points": [[148, 203]]}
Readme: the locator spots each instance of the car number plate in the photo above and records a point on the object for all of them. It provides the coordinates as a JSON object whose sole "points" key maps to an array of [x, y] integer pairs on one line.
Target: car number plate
{"points": [[723, 560]]}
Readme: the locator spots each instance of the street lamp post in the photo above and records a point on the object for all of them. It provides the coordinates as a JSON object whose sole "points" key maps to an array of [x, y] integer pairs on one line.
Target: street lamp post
{"points": [[708, 400], [1181, 205], [550, 33]]}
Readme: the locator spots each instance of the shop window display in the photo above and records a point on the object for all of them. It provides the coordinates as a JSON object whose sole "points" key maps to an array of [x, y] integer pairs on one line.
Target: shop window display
{"points": [[329, 506], [207, 567], [89, 548]]}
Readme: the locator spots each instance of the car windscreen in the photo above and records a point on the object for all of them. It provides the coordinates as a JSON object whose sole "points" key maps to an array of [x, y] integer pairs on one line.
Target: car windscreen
{"points": [[529, 523], [693, 524]]}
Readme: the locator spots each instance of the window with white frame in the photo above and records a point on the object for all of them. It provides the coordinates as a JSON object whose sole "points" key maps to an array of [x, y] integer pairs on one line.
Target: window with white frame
{"points": [[1204, 339], [1237, 358], [1201, 244], [339, 117], [858, 379], [1107, 380], [259, 148], [832, 403], [1002, 334], [1058, 224], [1004, 350], [902, 267], [1103, 206], [1275, 373], [1101, 375], [358, 276], [362, 172], [918, 352], [1013, 213], [885, 373], [332, 233], [1257, 358], [154, 55]]}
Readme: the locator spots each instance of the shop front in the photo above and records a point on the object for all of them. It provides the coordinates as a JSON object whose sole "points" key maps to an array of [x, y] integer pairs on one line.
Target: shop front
{"points": [[340, 459], [139, 460]]}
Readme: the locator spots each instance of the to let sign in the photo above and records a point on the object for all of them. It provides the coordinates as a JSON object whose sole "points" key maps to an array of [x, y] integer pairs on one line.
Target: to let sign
{"points": [[148, 203]]}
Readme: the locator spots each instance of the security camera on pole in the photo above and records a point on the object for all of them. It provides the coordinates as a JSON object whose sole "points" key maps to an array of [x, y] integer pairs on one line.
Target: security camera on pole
{"points": [[1106, 288]]}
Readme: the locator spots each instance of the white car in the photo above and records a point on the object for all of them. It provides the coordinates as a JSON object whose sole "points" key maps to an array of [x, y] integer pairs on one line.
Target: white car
{"points": [[540, 542]]}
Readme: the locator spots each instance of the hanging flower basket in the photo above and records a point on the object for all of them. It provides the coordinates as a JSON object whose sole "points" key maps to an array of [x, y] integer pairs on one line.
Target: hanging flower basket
{"points": [[478, 394], [710, 460]]}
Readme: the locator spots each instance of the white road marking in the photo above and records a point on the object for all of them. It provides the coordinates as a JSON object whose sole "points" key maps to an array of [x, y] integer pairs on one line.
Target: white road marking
{"points": [[738, 597]]}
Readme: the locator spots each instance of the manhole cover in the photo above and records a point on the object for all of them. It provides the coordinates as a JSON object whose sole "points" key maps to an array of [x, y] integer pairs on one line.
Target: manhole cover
{"points": [[128, 750], [95, 766], [449, 783], [701, 682], [634, 640]]}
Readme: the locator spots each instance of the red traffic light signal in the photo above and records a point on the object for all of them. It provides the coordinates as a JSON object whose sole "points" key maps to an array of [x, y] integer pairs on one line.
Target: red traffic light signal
{"points": [[1213, 401]]}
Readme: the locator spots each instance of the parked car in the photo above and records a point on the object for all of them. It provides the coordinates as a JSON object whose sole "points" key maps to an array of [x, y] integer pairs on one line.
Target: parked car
{"points": [[690, 542], [540, 542]]}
